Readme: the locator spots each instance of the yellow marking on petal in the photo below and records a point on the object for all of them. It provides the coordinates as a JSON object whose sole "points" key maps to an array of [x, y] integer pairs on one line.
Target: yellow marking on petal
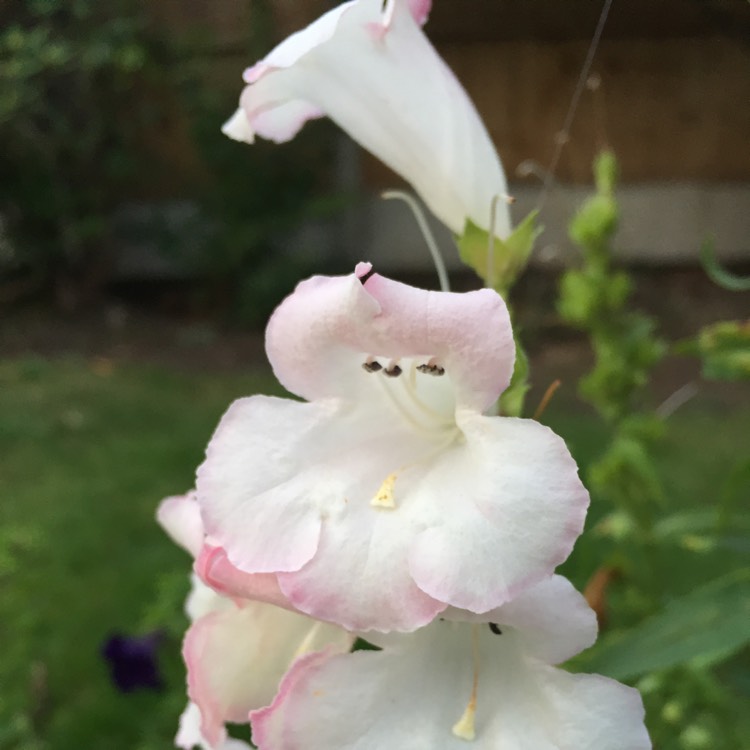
{"points": [[384, 496], [464, 727]]}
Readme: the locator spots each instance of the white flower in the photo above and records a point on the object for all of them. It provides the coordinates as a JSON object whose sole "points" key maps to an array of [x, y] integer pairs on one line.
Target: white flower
{"points": [[236, 651], [390, 495], [369, 67], [453, 682]]}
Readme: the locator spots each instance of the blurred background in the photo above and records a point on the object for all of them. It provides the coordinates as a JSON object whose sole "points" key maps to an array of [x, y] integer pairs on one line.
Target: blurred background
{"points": [[141, 252]]}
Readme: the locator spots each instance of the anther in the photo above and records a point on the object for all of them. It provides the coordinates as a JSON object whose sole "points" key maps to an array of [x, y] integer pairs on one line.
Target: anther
{"points": [[431, 369], [372, 365], [393, 370], [384, 496], [495, 629]]}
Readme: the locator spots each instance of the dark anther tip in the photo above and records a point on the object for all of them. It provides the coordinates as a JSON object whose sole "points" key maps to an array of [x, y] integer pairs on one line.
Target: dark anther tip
{"points": [[393, 372], [495, 629], [431, 369], [373, 366]]}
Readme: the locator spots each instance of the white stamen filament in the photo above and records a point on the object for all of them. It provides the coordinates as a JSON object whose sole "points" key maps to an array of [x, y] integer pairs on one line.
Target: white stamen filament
{"points": [[464, 727], [306, 643], [426, 430]]}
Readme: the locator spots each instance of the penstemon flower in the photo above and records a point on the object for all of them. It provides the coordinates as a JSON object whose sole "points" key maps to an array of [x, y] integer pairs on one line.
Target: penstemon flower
{"points": [[491, 682], [236, 651], [390, 495], [368, 66]]}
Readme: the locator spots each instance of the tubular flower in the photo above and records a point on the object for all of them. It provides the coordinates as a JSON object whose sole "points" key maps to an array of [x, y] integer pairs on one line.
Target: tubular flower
{"points": [[368, 66], [236, 651], [452, 682], [389, 495]]}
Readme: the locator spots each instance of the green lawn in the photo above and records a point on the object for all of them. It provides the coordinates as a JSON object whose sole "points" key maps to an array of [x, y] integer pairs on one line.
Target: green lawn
{"points": [[85, 455]]}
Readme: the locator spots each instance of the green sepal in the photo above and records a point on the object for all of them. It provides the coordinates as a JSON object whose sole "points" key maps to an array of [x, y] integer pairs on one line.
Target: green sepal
{"points": [[510, 256]]}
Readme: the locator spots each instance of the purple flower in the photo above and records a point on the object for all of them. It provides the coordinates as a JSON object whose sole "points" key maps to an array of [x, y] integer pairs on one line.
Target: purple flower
{"points": [[132, 661]]}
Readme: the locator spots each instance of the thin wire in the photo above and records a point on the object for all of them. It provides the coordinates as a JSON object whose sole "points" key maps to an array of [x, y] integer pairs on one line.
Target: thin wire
{"points": [[565, 132], [424, 227]]}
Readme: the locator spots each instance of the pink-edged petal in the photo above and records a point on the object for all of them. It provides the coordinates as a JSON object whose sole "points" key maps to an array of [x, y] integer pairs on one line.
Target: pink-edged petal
{"points": [[180, 517], [552, 620], [409, 697], [203, 600], [371, 69], [214, 568], [252, 489], [299, 44], [507, 507], [420, 10], [367, 587], [236, 659], [319, 337]]}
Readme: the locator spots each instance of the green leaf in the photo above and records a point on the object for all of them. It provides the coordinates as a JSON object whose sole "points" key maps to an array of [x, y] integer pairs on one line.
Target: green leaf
{"points": [[704, 627], [509, 257]]}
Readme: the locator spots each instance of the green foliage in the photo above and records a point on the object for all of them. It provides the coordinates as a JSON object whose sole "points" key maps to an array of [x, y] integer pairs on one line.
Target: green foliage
{"points": [[87, 456], [509, 257], [724, 349], [70, 73], [649, 537], [594, 298], [703, 627]]}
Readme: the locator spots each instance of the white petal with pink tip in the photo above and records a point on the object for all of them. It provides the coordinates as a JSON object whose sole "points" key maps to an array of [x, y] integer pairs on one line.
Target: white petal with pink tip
{"points": [[369, 67], [412, 694]]}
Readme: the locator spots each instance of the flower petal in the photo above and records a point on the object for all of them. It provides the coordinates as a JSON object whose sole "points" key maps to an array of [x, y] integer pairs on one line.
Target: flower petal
{"points": [[249, 487], [189, 734], [508, 506], [408, 697], [552, 620], [373, 72], [180, 517], [238, 128], [319, 336], [216, 571], [236, 659]]}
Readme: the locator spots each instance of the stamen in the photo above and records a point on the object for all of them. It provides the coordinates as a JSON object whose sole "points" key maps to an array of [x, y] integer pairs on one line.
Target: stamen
{"points": [[495, 628], [384, 496], [393, 370], [372, 365], [431, 368], [464, 727]]}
